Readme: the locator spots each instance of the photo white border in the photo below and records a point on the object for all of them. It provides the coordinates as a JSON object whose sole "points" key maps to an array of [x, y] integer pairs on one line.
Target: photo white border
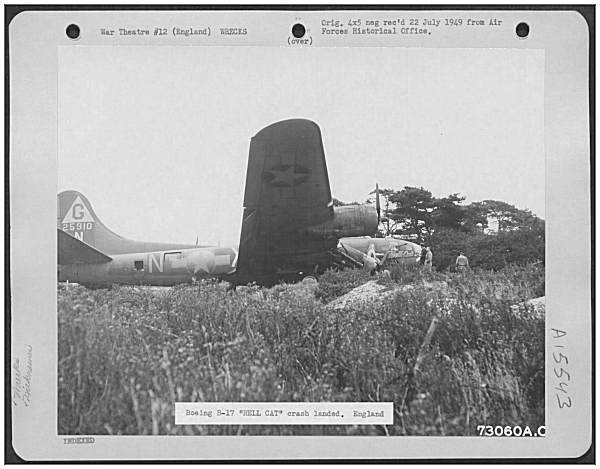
{"points": [[34, 37]]}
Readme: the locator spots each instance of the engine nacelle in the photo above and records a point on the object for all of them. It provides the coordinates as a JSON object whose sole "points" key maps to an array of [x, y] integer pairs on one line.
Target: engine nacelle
{"points": [[348, 220]]}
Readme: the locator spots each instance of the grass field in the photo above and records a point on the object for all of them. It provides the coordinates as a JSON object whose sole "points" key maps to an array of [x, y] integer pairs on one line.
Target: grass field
{"points": [[127, 354]]}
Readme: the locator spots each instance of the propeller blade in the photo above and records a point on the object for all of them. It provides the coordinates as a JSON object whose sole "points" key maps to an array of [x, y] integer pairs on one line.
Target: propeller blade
{"points": [[377, 203]]}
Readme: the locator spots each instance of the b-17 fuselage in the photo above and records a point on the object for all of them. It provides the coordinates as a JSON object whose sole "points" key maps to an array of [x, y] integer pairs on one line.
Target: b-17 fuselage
{"points": [[158, 268]]}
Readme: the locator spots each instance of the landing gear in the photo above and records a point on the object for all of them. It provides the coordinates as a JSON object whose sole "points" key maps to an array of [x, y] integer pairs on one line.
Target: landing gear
{"points": [[310, 279]]}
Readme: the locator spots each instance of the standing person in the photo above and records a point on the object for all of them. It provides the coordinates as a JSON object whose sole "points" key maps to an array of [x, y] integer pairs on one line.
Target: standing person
{"points": [[369, 265], [423, 255], [428, 260], [462, 262]]}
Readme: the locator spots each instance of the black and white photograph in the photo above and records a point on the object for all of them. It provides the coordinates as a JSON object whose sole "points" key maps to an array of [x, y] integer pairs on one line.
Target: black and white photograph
{"points": [[298, 239], [382, 212]]}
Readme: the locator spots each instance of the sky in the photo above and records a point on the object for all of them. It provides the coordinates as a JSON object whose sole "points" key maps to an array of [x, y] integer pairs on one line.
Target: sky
{"points": [[157, 137]]}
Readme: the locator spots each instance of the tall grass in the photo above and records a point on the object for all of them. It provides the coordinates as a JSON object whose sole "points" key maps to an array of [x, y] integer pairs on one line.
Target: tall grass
{"points": [[127, 354]]}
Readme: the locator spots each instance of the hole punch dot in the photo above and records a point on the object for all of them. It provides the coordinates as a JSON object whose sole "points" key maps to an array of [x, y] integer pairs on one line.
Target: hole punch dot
{"points": [[73, 31], [522, 30], [298, 30]]}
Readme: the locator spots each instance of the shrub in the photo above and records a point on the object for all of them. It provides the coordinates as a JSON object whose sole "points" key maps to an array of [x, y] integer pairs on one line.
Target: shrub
{"points": [[333, 284], [487, 251]]}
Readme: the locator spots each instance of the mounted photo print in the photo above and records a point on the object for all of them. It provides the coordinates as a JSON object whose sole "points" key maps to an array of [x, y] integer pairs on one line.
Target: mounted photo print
{"points": [[300, 233]]}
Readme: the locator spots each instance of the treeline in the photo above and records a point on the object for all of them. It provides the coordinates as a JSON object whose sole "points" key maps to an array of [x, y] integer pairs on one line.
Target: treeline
{"points": [[492, 233]]}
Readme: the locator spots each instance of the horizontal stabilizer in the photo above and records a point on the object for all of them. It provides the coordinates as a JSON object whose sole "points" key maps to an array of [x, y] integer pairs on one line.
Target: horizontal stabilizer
{"points": [[73, 251]]}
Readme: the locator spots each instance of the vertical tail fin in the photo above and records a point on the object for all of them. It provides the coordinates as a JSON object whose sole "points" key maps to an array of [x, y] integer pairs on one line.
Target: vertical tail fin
{"points": [[77, 218]]}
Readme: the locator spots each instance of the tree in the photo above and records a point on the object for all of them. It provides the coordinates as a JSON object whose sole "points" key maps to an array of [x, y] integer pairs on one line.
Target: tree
{"points": [[448, 213], [520, 238], [446, 243], [486, 251], [455, 228], [508, 216], [475, 218], [413, 212]]}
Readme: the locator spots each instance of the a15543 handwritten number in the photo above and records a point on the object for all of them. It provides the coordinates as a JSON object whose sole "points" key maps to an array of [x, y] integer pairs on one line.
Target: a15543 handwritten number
{"points": [[560, 363]]}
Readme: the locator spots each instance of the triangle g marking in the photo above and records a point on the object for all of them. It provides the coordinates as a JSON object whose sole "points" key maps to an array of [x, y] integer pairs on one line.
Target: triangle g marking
{"points": [[78, 213]]}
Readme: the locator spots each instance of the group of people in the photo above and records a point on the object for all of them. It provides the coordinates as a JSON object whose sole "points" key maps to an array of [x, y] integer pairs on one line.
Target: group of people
{"points": [[372, 265], [426, 258], [461, 264]]}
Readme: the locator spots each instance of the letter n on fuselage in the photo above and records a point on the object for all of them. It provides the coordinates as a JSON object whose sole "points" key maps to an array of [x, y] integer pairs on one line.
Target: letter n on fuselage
{"points": [[154, 262]]}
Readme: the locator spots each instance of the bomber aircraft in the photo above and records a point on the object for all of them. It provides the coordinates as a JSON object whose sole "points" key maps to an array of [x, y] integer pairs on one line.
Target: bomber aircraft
{"points": [[290, 228]]}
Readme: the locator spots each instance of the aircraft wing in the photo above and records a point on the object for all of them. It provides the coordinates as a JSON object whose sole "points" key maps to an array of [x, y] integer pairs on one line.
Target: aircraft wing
{"points": [[287, 190], [73, 251]]}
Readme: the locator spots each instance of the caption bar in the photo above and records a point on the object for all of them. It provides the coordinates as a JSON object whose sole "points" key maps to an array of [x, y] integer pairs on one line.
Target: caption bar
{"points": [[284, 413]]}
